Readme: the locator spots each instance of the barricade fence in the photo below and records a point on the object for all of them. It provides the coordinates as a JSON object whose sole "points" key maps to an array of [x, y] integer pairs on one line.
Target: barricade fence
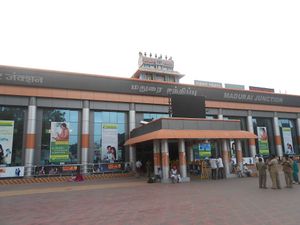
{"points": [[73, 169]]}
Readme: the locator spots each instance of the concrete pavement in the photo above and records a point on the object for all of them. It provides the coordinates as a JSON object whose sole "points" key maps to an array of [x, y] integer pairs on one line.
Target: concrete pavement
{"points": [[133, 201]]}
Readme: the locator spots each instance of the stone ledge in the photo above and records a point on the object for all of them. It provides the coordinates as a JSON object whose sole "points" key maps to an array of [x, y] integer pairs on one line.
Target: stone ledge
{"points": [[61, 179]]}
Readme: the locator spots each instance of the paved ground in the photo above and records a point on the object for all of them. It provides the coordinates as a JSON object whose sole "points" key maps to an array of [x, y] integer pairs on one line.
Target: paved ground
{"points": [[133, 201]]}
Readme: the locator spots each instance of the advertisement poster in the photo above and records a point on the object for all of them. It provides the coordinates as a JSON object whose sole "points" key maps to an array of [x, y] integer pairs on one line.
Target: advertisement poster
{"points": [[109, 167], [205, 150], [232, 148], [6, 141], [13, 171], [263, 144], [59, 142], [287, 140], [109, 142]]}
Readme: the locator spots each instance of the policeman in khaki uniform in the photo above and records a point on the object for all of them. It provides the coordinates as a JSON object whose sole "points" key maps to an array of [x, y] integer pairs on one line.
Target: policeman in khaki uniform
{"points": [[262, 174], [287, 167], [273, 169]]}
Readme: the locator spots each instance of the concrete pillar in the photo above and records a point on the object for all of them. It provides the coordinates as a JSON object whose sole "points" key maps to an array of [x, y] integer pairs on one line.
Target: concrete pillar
{"points": [[252, 145], [239, 152], [165, 161], [298, 130], [182, 158], [30, 137], [220, 114], [132, 157], [156, 156], [132, 150], [277, 136], [190, 153], [85, 136], [225, 157]]}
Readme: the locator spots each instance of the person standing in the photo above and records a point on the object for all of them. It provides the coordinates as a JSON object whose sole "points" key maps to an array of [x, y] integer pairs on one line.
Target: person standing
{"points": [[262, 174], [220, 168], [175, 177], [273, 169], [287, 167], [295, 171], [213, 166], [138, 166]]}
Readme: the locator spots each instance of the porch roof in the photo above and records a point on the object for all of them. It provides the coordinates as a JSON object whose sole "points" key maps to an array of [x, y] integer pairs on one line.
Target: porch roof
{"points": [[191, 134]]}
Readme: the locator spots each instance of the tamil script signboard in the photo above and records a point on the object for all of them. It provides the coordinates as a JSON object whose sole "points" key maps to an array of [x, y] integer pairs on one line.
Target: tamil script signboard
{"points": [[64, 80]]}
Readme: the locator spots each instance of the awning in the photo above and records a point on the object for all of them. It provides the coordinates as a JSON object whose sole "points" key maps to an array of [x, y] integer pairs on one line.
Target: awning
{"points": [[191, 134]]}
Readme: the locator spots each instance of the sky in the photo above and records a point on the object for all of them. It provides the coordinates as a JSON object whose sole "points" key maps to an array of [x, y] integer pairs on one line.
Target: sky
{"points": [[253, 43]]}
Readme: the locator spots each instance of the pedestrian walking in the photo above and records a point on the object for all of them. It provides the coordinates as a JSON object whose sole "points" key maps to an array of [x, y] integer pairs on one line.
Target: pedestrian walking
{"points": [[262, 174]]}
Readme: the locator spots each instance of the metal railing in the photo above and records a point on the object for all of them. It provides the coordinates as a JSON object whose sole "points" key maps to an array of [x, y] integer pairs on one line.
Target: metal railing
{"points": [[73, 169]]}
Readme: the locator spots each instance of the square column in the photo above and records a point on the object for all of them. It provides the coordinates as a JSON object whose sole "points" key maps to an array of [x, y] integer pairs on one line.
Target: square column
{"points": [[156, 156], [239, 153], [190, 153], [132, 157], [132, 151], [85, 136], [277, 137], [225, 157], [252, 145], [165, 161], [182, 160], [30, 137]]}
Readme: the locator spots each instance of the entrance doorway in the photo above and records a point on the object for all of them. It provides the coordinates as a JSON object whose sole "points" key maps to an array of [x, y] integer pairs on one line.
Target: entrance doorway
{"points": [[144, 153]]}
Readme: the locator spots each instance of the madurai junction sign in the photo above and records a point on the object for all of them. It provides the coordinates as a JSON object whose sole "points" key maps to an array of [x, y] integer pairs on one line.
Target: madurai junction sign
{"points": [[74, 81]]}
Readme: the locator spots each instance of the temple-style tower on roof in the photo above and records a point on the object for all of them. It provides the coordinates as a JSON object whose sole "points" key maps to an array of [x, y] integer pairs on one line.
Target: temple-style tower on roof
{"points": [[156, 68]]}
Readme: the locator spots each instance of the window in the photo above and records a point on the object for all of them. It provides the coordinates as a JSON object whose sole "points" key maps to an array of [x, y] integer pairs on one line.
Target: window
{"points": [[154, 116], [159, 77], [52, 116], [265, 124], [288, 136], [17, 115], [117, 120]]}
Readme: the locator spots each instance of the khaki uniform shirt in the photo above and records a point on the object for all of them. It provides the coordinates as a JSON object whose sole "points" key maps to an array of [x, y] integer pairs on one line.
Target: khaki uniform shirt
{"points": [[287, 166], [261, 167], [273, 164]]}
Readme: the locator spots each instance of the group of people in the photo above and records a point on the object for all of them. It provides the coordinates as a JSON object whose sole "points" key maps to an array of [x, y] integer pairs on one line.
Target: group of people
{"points": [[289, 167], [174, 173], [217, 168], [242, 170]]}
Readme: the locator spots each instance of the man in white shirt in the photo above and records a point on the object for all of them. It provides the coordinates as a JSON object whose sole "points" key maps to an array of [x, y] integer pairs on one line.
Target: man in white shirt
{"points": [[220, 168], [138, 165], [213, 166], [175, 177], [246, 171]]}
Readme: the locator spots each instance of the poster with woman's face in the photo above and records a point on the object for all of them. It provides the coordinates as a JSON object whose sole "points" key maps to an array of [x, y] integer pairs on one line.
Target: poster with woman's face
{"points": [[6, 140], [287, 140], [262, 133], [60, 131], [59, 142], [263, 144], [109, 142]]}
